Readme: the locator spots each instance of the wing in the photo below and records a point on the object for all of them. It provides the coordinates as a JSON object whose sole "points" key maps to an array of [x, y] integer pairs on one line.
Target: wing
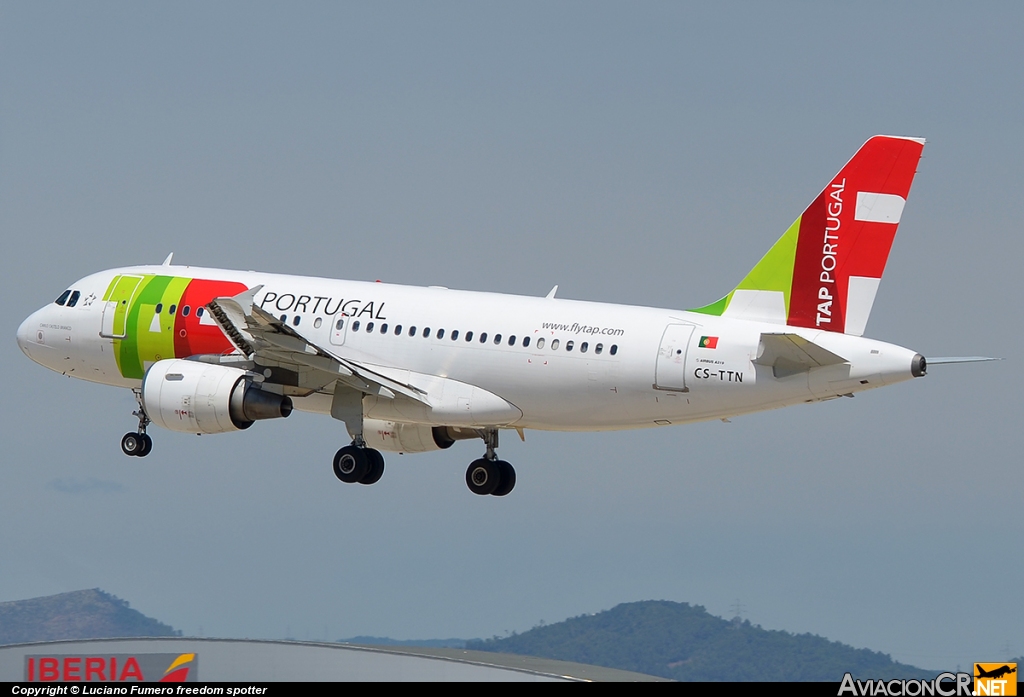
{"points": [[269, 342]]}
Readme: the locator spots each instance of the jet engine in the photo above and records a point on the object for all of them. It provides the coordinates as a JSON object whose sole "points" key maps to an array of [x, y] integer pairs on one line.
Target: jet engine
{"points": [[193, 397], [411, 438]]}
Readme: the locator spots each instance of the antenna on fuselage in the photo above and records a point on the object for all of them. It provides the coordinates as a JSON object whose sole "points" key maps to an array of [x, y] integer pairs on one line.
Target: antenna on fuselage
{"points": [[167, 261], [551, 293]]}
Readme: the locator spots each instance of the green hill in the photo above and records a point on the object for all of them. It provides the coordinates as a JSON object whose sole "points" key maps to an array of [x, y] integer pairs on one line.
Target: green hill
{"points": [[684, 642], [88, 614]]}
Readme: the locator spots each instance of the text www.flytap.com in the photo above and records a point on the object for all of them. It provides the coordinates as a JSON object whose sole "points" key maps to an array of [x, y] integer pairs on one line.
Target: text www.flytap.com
{"points": [[576, 328]]}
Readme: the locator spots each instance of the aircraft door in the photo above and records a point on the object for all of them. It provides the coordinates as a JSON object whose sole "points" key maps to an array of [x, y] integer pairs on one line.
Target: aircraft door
{"points": [[670, 372], [115, 309], [339, 329]]}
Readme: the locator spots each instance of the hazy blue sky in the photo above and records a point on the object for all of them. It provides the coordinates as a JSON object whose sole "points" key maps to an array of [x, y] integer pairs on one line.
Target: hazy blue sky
{"points": [[646, 153]]}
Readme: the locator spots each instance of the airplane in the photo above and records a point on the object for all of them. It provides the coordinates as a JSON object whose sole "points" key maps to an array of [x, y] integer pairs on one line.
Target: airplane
{"points": [[410, 369], [995, 673]]}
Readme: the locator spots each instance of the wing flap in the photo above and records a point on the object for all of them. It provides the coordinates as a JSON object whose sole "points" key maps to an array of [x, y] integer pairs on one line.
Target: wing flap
{"points": [[257, 333]]}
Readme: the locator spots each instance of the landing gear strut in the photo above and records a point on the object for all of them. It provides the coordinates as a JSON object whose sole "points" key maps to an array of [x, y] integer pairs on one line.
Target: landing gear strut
{"points": [[489, 475], [138, 444], [357, 464]]}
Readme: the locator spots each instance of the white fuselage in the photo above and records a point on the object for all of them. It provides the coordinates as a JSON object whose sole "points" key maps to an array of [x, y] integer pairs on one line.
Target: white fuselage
{"points": [[588, 366]]}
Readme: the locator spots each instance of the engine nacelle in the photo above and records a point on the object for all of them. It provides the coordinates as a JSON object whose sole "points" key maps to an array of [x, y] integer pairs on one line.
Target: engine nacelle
{"points": [[193, 397], [410, 438]]}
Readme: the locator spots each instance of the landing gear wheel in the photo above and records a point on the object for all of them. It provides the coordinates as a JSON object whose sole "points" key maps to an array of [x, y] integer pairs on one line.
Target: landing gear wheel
{"points": [[483, 476], [376, 467], [351, 464], [147, 445], [132, 444], [507, 478]]}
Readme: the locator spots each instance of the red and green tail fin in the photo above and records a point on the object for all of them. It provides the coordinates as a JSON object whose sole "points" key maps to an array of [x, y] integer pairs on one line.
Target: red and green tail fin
{"points": [[824, 270]]}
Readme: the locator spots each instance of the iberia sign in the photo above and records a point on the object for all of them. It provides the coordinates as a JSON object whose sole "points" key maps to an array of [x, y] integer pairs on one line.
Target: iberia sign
{"points": [[118, 667]]}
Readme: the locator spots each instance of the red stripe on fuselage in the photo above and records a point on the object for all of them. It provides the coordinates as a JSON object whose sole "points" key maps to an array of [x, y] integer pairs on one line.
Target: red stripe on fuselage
{"points": [[191, 337]]}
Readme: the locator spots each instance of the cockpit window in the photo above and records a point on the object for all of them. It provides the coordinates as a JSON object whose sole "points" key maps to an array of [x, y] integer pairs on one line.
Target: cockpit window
{"points": [[74, 299], [63, 297]]}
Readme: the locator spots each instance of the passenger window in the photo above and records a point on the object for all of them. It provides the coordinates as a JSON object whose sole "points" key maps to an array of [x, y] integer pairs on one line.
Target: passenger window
{"points": [[568, 346], [584, 346], [185, 310], [554, 345], [339, 325], [440, 333], [317, 322], [426, 332], [355, 326], [398, 330], [284, 318], [412, 331], [159, 308], [369, 327], [74, 299], [455, 334], [384, 328], [614, 349], [540, 343], [171, 309], [63, 297], [526, 341], [512, 340], [295, 320], [599, 348], [483, 338], [469, 336], [199, 312], [497, 339]]}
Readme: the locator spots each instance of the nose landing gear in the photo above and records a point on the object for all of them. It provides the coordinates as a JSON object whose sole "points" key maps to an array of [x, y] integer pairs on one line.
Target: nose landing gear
{"points": [[138, 444]]}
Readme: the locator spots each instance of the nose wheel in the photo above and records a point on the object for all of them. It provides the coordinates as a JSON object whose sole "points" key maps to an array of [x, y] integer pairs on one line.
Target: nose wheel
{"points": [[138, 444]]}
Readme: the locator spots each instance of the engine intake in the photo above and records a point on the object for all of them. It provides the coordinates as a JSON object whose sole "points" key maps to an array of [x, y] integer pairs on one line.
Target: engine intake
{"points": [[193, 397]]}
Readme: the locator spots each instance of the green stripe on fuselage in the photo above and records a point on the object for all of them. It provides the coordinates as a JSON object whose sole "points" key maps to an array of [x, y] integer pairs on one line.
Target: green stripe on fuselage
{"points": [[147, 342]]}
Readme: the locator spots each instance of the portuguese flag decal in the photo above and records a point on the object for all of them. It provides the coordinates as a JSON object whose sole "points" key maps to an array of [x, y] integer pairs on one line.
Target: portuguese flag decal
{"points": [[708, 342]]}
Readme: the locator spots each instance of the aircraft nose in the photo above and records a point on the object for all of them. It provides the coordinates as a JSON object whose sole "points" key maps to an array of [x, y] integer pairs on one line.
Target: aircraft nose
{"points": [[26, 333]]}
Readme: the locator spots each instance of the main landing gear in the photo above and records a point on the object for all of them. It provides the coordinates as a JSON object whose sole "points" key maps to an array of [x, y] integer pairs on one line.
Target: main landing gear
{"points": [[138, 444], [357, 464], [489, 475]]}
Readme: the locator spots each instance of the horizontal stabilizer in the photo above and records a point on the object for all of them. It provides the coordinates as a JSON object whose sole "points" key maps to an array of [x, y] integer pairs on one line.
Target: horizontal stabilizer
{"points": [[960, 359], [789, 354]]}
